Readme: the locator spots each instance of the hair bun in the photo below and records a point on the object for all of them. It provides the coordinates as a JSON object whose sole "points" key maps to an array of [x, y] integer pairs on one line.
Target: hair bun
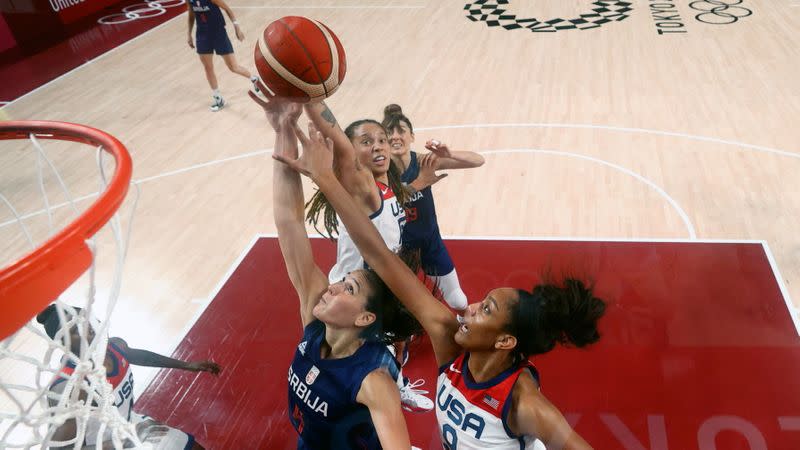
{"points": [[392, 109]]}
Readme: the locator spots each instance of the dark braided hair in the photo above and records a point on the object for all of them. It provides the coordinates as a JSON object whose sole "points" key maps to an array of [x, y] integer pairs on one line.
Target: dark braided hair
{"points": [[393, 322], [319, 204], [393, 117], [565, 313]]}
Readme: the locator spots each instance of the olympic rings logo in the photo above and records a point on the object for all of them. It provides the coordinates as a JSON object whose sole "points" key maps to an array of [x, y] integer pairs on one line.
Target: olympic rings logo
{"points": [[719, 12], [146, 10]]}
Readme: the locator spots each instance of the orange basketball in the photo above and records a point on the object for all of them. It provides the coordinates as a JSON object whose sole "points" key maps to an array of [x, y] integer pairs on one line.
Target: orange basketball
{"points": [[300, 58]]}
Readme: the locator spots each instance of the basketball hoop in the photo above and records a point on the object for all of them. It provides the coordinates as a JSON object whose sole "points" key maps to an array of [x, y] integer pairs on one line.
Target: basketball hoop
{"points": [[38, 278], [38, 396]]}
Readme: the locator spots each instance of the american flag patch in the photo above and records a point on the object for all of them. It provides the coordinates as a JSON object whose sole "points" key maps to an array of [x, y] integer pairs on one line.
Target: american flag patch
{"points": [[493, 402]]}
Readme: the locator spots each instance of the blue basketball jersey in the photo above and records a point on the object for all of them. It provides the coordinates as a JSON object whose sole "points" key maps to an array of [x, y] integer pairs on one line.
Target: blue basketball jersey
{"points": [[207, 15], [420, 211], [322, 393]]}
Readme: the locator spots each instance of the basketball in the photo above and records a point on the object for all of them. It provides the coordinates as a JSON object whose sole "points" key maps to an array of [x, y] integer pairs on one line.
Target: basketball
{"points": [[300, 59]]}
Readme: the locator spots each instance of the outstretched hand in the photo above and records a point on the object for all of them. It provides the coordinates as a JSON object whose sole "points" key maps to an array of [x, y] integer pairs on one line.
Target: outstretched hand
{"points": [[440, 149], [428, 164], [205, 366], [280, 111], [317, 156]]}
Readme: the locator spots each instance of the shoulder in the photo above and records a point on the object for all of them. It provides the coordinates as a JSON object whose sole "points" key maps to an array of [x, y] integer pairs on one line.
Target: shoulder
{"points": [[119, 343], [376, 387], [532, 414]]}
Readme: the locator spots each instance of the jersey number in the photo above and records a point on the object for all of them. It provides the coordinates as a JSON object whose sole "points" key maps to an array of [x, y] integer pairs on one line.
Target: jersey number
{"points": [[411, 214], [449, 437], [298, 416]]}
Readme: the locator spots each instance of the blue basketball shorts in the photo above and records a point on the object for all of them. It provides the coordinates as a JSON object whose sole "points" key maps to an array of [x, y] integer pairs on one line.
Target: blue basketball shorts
{"points": [[213, 41]]}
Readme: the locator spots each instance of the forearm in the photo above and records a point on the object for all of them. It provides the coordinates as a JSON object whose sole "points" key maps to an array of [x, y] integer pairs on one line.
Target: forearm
{"points": [[469, 159], [324, 120], [288, 206], [461, 160], [229, 13], [147, 358], [191, 20]]}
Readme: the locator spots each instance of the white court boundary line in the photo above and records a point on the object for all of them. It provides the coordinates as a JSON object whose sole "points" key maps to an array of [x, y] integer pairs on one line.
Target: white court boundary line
{"points": [[793, 312], [693, 137], [146, 179], [653, 185]]}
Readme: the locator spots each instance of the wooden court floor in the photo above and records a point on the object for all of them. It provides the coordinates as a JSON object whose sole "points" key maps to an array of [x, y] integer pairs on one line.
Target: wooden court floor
{"points": [[623, 121]]}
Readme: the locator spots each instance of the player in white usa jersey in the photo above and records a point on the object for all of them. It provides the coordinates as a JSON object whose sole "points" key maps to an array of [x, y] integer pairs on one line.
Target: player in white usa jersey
{"points": [[117, 363], [484, 373], [362, 161]]}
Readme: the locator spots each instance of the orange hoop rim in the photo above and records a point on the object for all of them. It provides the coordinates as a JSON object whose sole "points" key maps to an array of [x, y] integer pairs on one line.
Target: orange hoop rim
{"points": [[35, 280]]}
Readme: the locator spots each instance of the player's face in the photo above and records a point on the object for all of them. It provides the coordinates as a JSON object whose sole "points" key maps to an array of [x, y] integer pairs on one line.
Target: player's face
{"points": [[485, 322], [372, 147], [400, 140], [344, 302]]}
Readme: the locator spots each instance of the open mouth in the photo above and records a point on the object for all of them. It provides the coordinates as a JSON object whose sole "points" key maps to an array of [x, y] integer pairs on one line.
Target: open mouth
{"points": [[463, 328], [379, 160]]}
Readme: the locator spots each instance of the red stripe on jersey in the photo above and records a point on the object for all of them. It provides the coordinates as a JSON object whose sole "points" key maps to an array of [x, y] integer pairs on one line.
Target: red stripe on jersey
{"points": [[120, 363], [386, 191], [491, 399]]}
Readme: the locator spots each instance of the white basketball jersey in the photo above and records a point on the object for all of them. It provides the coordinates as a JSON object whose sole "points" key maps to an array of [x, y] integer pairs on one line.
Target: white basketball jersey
{"points": [[121, 379], [388, 219], [474, 415]]}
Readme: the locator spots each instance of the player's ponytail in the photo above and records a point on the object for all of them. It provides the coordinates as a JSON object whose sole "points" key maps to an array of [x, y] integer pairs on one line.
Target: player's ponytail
{"points": [[565, 313]]}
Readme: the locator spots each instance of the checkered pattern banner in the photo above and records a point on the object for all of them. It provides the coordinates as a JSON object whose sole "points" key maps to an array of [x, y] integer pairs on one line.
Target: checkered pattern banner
{"points": [[493, 13]]}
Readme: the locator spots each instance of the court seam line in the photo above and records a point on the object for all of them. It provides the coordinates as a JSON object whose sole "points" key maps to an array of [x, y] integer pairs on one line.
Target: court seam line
{"points": [[87, 63]]}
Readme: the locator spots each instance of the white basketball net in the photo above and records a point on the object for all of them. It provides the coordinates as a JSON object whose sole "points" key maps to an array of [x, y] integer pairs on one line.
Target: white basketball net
{"points": [[30, 362]]}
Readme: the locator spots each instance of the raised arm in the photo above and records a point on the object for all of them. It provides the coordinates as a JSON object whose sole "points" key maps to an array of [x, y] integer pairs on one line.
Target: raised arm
{"points": [[438, 321], [287, 194], [355, 178], [449, 159]]}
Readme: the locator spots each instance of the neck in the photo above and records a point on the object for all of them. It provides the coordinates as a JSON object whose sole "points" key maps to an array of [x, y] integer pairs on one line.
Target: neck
{"points": [[483, 365], [404, 160], [383, 178], [340, 343]]}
